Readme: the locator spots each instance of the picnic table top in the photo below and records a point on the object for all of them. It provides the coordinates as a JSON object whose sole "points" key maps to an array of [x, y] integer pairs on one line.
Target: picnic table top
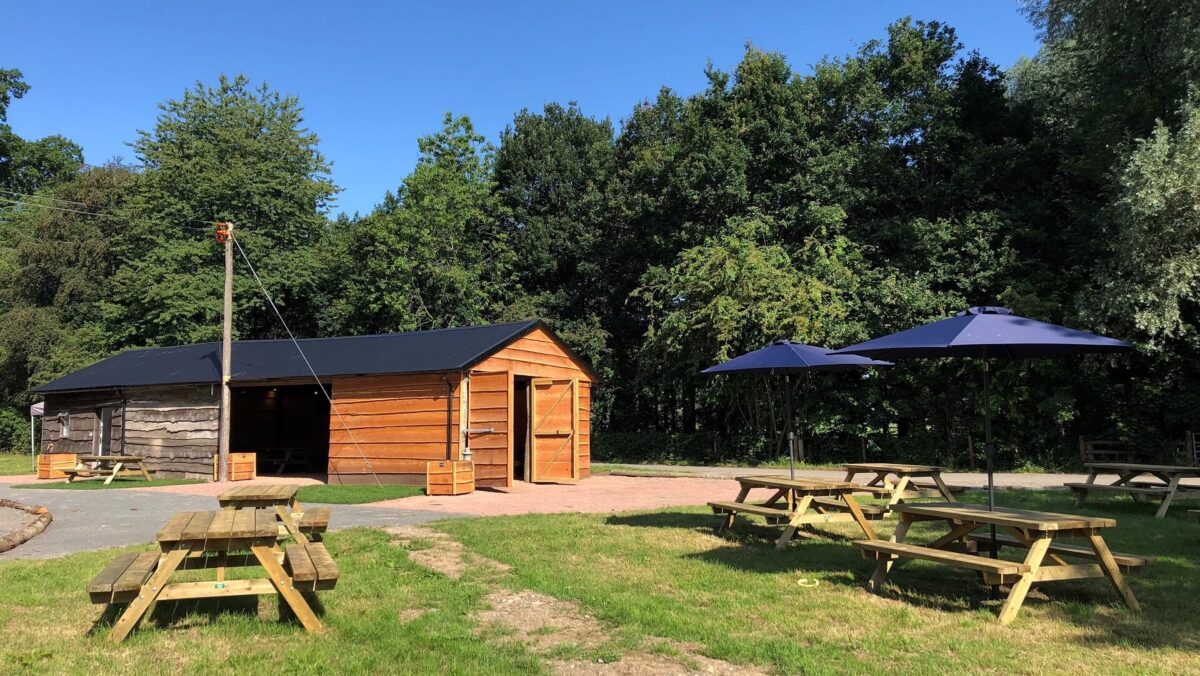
{"points": [[804, 484], [219, 527], [110, 458], [1135, 467], [272, 493], [1004, 516], [898, 468]]}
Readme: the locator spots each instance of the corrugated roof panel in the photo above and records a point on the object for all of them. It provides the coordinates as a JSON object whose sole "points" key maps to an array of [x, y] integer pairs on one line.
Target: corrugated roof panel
{"points": [[437, 350]]}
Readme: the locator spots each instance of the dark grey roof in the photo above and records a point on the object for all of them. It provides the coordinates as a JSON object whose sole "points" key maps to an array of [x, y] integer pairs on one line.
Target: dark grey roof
{"points": [[433, 351]]}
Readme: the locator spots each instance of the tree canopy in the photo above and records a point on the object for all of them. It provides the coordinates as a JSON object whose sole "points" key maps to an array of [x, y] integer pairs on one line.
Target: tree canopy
{"points": [[865, 194]]}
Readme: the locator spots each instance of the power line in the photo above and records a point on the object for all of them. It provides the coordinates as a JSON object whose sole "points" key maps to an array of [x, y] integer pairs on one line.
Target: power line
{"points": [[43, 197], [189, 225], [332, 407]]}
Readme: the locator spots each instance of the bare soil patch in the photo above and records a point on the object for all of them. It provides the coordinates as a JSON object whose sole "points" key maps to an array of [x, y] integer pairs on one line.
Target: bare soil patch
{"points": [[545, 623], [437, 551]]}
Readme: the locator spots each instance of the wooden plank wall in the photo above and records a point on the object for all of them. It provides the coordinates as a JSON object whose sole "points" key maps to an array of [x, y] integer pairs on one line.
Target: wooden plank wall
{"points": [[540, 355], [490, 401], [585, 429], [81, 409], [175, 428], [399, 422]]}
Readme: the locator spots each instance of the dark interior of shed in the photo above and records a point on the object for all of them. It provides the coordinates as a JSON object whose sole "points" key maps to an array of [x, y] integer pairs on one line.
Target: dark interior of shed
{"points": [[287, 427]]}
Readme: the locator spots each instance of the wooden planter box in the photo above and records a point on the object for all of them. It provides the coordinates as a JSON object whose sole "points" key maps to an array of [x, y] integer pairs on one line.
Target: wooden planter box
{"points": [[449, 477], [51, 465], [242, 466]]}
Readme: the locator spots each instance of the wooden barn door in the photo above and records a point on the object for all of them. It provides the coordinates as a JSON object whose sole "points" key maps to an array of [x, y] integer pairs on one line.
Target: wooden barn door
{"points": [[486, 431], [554, 411]]}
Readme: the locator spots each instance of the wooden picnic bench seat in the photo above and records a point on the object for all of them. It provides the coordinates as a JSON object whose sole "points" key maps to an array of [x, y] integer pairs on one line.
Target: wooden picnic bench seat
{"points": [[311, 566], [122, 578], [1125, 488], [922, 486], [315, 520], [1127, 562], [750, 508], [882, 549], [868, 510]]}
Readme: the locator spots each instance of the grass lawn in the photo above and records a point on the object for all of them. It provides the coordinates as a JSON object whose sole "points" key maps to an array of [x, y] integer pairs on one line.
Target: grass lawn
{"points": [[664, 574], [353, 495], [15, 463], [98, 484], [49, 625], [650, 578]]}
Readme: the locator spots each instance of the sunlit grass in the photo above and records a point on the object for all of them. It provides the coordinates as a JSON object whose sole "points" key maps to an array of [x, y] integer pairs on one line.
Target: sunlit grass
{"points": [[48, 623], [355, 494], [665, 574], [15, 463]]}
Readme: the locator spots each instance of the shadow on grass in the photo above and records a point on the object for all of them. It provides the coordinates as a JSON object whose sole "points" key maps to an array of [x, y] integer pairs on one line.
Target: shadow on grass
{"points": [[1168, 590], [177, 614]]}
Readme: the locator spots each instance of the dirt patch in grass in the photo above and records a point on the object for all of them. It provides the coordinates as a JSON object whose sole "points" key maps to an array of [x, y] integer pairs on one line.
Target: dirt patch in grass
{"points": [[411, 614], [436, 551], [547, 625]]}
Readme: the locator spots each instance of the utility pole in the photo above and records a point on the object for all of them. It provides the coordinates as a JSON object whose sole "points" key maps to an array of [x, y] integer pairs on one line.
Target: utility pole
{"points": [[225, 236]]}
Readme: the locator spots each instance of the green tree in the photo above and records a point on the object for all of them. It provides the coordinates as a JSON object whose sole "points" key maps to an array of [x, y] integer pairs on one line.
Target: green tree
{"points": [[26, 166], [233, 152], [431, 255]]}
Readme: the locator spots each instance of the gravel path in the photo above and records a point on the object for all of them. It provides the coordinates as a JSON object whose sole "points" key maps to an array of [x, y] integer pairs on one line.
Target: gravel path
{"points": [[89, 520]]}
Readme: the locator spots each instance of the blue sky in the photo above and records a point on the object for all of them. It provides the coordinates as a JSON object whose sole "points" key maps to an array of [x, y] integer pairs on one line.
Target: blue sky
{"points": [[375, 76]]}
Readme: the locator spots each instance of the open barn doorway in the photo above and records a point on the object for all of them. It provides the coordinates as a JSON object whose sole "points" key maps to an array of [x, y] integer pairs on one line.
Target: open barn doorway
{"points": [[521, 426], [286, 426]]}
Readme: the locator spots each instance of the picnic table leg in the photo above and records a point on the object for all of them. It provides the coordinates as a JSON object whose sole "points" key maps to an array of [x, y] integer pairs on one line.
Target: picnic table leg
{"points": [[1081, 494], [885, 565], [167, 566], [730, 517], [285, 515], [1018, 592], [283, 584], [1166, 503], [1109, 565], [116, 468], [142, 468], [790, 530], [859, 517], [898, 492], [942, 487]]}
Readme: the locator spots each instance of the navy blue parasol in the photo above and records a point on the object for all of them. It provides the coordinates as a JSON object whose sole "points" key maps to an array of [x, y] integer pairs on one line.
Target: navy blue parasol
{"points": [[787, 357], [986, 333]]}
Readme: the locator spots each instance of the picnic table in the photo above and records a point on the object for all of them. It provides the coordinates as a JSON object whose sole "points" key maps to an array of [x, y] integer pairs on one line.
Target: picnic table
{"points": [[215, 540], [797, 503], [1038, 532], [294, 520], [107, 467], [1139, 482], [903, 487]]}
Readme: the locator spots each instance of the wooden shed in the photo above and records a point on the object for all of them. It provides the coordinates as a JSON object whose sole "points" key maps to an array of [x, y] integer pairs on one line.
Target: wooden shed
{"points": [[510, 397]]}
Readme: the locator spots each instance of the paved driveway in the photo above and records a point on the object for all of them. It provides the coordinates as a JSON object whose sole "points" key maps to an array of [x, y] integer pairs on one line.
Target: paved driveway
{"points": [[98, 519]]}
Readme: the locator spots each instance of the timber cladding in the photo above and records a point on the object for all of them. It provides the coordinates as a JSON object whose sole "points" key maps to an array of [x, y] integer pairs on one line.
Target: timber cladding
{"points": [[541, 356], [397, 424], [381, 427], [174, 428]]}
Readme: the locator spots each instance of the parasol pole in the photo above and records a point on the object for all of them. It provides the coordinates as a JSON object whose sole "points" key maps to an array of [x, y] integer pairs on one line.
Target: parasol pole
{"points": [[989, 446], [789, 434]]}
